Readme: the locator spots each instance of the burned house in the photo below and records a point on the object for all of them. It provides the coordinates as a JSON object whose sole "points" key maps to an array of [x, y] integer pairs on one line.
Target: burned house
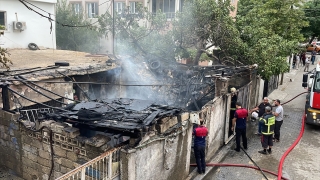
{"points": [[102, 118]]}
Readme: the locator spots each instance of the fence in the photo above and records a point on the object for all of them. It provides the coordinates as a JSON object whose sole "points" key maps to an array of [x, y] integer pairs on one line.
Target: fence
{"points": [[103, 167]]}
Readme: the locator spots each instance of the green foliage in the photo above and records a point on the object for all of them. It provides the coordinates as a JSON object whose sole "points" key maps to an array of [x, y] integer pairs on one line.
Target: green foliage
{"points": [[312, 13], [144, 34], [270, 31], [2, 27], [84, 39], [4, 58], [204, 24]]}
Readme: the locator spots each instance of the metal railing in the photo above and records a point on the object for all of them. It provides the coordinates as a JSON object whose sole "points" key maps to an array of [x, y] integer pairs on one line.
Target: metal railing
{"points": [[103, 167], [169, 15], [32, 115]]}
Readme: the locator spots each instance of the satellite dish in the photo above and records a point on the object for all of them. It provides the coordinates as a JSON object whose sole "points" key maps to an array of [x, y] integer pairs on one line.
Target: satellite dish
{"points": [[19, 25]]}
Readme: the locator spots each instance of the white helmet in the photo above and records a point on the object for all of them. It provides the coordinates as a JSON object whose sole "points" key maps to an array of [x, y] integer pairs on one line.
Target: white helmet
{"points": [[254, 115]]}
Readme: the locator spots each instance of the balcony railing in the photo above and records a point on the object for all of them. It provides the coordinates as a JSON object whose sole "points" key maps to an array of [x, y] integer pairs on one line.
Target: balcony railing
{"points": [[103, 167], [169, 15]]}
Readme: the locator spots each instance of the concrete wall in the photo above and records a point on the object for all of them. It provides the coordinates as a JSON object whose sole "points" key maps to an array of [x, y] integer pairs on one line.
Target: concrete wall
{"points": [[27, 154], [160, 158], [216, 122], [37, 28]]}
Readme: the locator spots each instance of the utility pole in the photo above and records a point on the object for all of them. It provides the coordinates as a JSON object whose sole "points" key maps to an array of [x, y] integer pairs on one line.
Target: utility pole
{"points": [[113, 27]]}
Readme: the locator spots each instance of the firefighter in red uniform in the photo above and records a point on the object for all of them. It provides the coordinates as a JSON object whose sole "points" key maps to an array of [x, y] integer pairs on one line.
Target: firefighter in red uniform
{"points": [[240, 119], [200, 134]]}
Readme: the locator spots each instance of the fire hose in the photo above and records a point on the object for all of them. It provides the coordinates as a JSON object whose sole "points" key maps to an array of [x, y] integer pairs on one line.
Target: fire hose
{"points": [[279, 175]]}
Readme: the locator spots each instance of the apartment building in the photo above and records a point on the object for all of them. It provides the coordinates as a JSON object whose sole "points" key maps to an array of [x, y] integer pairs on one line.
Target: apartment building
{"points": [[94, 8]]}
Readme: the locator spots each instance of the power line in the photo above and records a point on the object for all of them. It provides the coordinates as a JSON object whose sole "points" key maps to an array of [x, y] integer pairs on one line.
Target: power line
{"points": [[53, 14], [95, 83], [50, 19]]}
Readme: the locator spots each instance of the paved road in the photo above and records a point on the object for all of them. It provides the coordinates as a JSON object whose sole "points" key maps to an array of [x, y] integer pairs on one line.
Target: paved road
{"points": [[303, 161]]}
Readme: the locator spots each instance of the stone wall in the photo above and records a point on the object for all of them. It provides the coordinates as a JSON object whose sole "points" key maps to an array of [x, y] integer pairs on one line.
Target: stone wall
{"points": [[28, 154]]}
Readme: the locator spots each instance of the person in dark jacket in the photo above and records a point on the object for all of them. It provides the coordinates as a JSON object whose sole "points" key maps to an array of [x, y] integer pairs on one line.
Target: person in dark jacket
{"points": [[200, 133], [261, 110], [239, 123], [268, 124]]}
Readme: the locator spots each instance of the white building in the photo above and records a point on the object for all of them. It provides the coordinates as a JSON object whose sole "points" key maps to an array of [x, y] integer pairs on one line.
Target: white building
{"points": [[24, 26]]}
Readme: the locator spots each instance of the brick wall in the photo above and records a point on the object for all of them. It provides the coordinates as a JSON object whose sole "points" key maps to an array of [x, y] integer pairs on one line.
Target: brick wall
{"points": [[28, 154]]}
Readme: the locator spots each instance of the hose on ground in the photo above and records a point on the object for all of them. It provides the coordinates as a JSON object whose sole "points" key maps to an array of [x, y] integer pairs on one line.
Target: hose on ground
{"points": [[294, 97], [282, 158], [291, 147], [240, 165]]}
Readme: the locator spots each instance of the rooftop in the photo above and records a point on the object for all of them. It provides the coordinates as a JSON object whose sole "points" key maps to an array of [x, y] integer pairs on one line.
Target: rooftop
{"points": [[41, 64]]}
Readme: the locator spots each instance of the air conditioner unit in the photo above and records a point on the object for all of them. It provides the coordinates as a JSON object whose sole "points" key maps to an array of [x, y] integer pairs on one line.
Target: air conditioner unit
{"points": [[19, 25]]}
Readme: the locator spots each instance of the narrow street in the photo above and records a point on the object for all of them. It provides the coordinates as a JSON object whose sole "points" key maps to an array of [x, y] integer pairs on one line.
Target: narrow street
{"points": [[301, 163]]}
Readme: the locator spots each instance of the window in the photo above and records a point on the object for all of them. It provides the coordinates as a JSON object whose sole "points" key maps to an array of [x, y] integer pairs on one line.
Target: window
{"points": [[317, 82], [92, 10], [3, 18], [119, 7], [76, 7], [166, 6], [132, 8]]}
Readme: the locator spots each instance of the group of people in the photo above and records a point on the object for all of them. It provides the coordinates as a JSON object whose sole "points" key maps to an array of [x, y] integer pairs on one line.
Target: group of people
{"points": [[301, 59], [269, 123], [268, 128]]}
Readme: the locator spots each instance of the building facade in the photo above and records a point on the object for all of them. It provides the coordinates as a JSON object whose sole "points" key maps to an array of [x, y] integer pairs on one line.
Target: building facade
{"points": [[23, 26]]}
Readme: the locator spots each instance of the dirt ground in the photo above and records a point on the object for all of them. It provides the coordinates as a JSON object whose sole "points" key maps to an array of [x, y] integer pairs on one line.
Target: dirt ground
{"points": [[25, 58]]}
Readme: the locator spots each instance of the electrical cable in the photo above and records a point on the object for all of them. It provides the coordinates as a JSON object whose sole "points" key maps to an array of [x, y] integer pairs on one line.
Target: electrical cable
{"points": [[254, 163], [42, 93], [53, 14], [50, 142], [35, 101], [240, 165], [63, 82], [31, 82], [76, 84], [50, 19]]}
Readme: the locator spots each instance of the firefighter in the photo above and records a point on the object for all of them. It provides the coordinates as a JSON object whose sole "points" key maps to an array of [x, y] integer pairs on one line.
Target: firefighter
{"points": [[234, 98], [200, 133], [240, 120], [268, 124]]}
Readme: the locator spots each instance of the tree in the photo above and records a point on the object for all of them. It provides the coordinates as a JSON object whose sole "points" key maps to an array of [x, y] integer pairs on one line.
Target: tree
{"points": [[270, 30], [206, 23], [4, 58], [143, 33], [85, 37], [312, 13], [201, 25]]}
